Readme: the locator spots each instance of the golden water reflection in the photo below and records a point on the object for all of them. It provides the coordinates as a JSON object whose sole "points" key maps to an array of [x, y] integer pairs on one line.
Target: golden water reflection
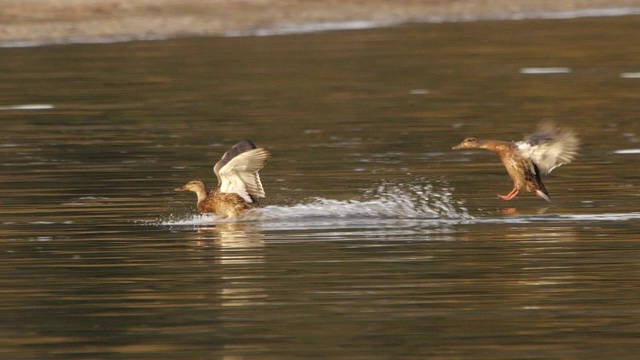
{"points": [[353, 262]]}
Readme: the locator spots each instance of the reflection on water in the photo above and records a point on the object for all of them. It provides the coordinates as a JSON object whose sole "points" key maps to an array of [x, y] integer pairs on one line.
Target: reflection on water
{"points": [[374, 241], [230, 235]]}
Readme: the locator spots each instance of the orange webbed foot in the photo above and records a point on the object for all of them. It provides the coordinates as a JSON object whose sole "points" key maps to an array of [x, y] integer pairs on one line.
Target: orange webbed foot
{"points": [[510, 196]]}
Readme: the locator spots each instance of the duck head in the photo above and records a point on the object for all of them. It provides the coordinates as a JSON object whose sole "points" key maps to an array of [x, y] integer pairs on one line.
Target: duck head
{"points": [[468, 143], [197, 187]]}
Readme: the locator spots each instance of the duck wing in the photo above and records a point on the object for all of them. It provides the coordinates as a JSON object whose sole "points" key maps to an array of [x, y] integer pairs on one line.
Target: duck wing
{"points": [[237, 171], [550, 146]]}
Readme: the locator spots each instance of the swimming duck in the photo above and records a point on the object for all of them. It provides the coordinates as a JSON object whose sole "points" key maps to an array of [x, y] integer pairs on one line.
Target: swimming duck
{"points": [[549, 147], [239, 185]]}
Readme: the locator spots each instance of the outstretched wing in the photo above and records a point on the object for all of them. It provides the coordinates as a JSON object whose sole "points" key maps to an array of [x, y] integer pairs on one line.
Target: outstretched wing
{"points": [[237, 171], [550, 146], [234, 151]]}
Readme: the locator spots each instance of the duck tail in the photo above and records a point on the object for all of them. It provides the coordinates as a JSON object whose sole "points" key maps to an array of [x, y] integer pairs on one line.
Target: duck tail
{"points": [[543, 194]]}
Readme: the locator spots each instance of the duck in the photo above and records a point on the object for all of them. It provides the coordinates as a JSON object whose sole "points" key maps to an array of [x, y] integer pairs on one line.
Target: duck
{"points": [[549, 147], [239, 186]]}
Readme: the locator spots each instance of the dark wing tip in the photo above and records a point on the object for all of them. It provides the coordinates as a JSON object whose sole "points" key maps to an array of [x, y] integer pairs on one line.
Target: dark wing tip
{"points": [[246, 142], [235, 150], [239, 148], [547, 131]]}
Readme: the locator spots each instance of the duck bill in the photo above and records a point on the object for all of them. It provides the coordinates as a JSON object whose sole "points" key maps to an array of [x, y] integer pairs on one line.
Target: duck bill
{"points": [[457, 147], [181, 188]]}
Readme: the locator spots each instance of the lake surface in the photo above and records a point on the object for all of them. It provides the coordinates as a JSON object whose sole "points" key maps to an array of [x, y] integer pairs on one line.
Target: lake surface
{"points": [[375, 241]]}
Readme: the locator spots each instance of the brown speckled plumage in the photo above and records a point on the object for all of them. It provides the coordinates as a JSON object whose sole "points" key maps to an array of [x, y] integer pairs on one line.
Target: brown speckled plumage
{"points": [[214, 201], [547, 149], [239, 185]]}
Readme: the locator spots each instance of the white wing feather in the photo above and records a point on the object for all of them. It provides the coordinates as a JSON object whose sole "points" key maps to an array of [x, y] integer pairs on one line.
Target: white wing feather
{"points": [[240, 174], [550, 147]]}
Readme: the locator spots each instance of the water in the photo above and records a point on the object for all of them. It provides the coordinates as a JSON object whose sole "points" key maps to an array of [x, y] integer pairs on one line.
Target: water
{"points": [[375, 240]]}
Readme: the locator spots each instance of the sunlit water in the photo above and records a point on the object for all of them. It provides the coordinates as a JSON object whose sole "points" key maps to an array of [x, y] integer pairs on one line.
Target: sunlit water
{"points": [[375, 239]]}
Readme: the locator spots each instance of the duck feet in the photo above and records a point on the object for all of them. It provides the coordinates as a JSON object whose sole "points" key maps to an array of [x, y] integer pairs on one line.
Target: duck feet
{"points": [[509, 196]]}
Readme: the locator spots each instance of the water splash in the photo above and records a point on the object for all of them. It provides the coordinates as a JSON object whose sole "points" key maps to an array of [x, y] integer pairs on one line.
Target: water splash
{"points": [[191, 220], [418, 199], [392, 205]]}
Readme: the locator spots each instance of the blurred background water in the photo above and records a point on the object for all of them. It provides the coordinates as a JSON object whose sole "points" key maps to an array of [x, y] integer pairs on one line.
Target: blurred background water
{"points": [[375, 241]]}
